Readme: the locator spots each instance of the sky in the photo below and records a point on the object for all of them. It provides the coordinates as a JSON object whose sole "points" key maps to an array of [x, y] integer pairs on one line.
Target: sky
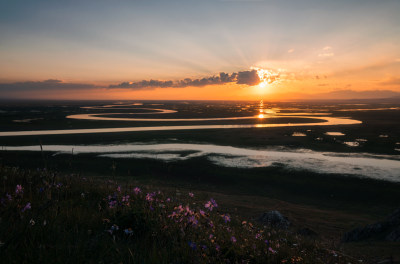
{"points": [[192, 49]]}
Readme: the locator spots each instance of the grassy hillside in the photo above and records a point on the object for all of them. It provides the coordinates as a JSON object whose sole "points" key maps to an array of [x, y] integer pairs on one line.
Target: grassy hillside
{"points": [[51, 218]]}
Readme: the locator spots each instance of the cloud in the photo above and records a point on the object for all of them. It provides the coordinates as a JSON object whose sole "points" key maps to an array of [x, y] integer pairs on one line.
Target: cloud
{"points": [[290, 51], [248, 77], [50, 84], [143, 84], [243, 77], [327, 48], [391, 81], [330, 54]]}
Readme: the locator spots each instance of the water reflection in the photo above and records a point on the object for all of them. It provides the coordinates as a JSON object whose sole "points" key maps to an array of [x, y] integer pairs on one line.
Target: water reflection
{"points": [[326, 121], [382, 167]]}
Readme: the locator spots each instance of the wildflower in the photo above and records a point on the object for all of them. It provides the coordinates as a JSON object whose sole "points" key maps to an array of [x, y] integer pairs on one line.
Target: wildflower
{"points": [[125, 198], [217, 247], [168, 200], [226, 218], [83, 195], [191, 194], [128, 231], [112, 204], [9, 197], [137, 190], [233, 239], [271, 250], [211, 204], [192, 245], [193, 220], [211, 224], [258, 236], [210, 236], [19, 189], [32, 222], [203, 247], [58, 185], [266, 242], [27, 207], [119, 188], [150, 197]]}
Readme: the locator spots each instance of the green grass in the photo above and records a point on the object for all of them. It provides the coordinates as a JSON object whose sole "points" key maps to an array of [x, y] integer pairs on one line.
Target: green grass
{"points": [[73, 219]]}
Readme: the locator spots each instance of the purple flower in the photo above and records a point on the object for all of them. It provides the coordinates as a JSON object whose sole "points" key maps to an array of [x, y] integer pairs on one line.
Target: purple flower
{"points": [[258, 236], [27, 207], [19, 189], [271, 250], [119, 188], [192, 245], [168, 200], [112, 204], [192, 219], [9, 197], [217, 247], [233, 239], [226, 218], [191, 194], [202, 212]]}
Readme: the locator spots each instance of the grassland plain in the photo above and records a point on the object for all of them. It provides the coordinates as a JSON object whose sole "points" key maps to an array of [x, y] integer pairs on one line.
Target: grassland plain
{"points": [[328, 204]]}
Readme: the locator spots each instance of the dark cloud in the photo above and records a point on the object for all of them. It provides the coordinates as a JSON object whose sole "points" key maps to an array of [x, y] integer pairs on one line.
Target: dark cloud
{"points": [[42, 85], [143, 84], [248, 77], [243, 77]]}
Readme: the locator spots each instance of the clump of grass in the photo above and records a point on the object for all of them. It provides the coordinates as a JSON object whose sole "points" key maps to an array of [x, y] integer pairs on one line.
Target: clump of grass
{"points": [[50, 218]]}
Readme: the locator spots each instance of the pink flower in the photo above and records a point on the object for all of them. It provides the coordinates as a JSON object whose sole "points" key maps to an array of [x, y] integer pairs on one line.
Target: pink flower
{"points": [[271, 250], [233, 239], [137, 190], [150, 197], [191, 194], [125, 198], [211, 204], [119, 188], [19, 189]]}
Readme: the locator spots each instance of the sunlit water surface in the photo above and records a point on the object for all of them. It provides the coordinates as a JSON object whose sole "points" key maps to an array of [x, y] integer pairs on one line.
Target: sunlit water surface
{"points": [[383, 167]]}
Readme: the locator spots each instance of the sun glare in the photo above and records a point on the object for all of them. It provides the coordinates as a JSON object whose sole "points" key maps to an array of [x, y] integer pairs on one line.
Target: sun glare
{"points": [[266, 77]]}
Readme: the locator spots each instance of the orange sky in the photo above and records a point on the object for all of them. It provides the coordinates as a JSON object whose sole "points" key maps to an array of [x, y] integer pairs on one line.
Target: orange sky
{"points": [[314, 48]]}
